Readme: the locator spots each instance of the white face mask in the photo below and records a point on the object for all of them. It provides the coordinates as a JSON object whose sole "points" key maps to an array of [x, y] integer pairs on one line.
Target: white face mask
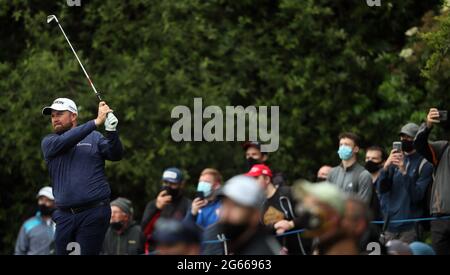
{"points": [[205, 187]]}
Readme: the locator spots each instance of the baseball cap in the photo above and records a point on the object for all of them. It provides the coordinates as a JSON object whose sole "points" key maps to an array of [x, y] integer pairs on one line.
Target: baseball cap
{"points": [[248, 144], [409, 129], [61, 104], [47, 192], [173, 175], [258, 170], [243, 190], [325, 192]]}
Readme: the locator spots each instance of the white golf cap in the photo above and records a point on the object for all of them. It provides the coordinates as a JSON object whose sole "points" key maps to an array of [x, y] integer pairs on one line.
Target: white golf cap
{"points": [[47, 192], [243, 190], [61, 104]]}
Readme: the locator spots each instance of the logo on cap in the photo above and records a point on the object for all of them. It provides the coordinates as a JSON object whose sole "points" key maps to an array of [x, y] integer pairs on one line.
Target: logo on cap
{"points": [[61, 104], [170, 175]]}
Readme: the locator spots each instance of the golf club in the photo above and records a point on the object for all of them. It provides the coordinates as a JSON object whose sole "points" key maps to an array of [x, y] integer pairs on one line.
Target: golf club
{"points": [[52, 17]]}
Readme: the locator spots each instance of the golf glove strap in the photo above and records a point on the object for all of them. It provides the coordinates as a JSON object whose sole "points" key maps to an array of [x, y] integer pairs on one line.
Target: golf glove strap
{"points": [[111, 122]]}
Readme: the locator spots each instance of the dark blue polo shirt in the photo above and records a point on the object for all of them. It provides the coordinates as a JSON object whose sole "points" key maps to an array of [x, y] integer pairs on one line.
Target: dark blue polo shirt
{"points": [[76, 163]]}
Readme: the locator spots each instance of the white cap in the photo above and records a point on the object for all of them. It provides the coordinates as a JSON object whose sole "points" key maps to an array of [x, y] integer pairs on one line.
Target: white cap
{"points": [[47, 192], [61, 104], [325, 192], [243, 190]]}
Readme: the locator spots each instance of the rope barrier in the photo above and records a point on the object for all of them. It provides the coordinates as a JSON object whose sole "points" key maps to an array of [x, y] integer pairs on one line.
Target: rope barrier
{"points": [[303, 230], [414, 220]]}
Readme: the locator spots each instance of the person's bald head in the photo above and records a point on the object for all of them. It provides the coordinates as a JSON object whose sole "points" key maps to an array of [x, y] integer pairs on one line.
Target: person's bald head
{"points": [[323, 172]]}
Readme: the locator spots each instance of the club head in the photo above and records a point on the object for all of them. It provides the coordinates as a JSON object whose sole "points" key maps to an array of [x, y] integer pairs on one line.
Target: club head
{"points": [[50, 18]]}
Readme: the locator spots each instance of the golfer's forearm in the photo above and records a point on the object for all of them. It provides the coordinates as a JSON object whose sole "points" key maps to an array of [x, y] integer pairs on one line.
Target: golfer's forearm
{"points": [[111, 146], [54, 144]]}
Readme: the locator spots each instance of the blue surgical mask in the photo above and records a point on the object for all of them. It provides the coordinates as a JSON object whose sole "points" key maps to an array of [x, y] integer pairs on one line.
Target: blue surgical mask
{"points": [[345, 152], [205, 187]]}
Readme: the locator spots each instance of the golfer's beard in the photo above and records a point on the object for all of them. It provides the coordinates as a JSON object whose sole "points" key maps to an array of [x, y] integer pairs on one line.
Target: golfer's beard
{"points": [[63, 128]]}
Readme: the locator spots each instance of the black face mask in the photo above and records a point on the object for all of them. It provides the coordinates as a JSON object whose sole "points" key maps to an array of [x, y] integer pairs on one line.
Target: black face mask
{"points": [[407, 146], [250, 162], [308, 220], [117, 225], [232, 231], [45, 210], [372, 167]]}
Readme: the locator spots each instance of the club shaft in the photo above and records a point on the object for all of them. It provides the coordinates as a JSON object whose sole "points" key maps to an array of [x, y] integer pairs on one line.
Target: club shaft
{"points": [[79, 62]]}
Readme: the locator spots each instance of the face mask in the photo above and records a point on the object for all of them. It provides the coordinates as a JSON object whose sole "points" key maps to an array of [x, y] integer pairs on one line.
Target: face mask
{"points": [[314, 220], [345, 152], [45, 210], [205, 187], [251, 162], [117, 225], [232, 231], [308, 219], [407, 146], [372, 167]]}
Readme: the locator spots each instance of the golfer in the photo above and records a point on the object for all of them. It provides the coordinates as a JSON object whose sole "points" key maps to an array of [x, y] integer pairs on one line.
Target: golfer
{"points": [[75, 156]]}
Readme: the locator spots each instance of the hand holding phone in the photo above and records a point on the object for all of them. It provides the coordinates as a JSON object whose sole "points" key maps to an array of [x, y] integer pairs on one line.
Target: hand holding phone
{"points": [[200, 195], [197, 204]]}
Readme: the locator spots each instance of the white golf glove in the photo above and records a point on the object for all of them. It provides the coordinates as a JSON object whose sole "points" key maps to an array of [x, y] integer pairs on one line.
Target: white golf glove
{"points": [[111, 122]]}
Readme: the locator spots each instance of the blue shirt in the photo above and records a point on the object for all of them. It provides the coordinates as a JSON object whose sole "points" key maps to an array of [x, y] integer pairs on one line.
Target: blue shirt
{"points": [[207, 215], [76, 163], [404, 198]]}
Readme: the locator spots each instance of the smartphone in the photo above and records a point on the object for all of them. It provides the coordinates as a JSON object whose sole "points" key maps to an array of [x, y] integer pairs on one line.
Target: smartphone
{"points": [[397, 146], [200, 195], [168, 190], [442, 115]]}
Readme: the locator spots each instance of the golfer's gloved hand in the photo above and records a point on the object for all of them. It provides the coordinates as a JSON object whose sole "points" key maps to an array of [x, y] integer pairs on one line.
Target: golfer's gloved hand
{"points": [[111, 122]]}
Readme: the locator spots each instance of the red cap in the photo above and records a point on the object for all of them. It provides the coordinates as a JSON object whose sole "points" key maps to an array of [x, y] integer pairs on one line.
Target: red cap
{"points": [[258, 170]]}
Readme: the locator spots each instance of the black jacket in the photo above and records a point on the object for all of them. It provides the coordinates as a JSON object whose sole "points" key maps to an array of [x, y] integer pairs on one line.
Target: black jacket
{"points": [[129, 242], [282, 206], [260, 243], [175, 210]]}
